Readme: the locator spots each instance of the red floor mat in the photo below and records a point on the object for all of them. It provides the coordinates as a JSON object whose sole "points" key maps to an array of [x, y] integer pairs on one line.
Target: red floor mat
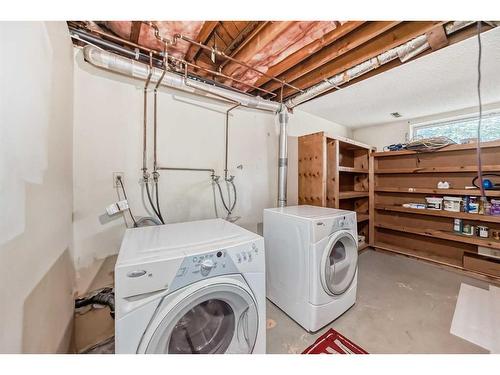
{"points": [[332, 342]]}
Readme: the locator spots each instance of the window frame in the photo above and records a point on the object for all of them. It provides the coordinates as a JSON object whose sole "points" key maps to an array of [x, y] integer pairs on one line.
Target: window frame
{"points": [[446, 120]]}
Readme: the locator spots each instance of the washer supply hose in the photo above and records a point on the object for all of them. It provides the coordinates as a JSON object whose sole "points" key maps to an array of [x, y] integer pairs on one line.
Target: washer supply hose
{"points": [[229, 208], [146, 183]]}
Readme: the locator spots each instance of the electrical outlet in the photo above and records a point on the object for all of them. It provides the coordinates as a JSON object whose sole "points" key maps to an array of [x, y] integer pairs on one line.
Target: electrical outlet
{"points": [[116, 183]]}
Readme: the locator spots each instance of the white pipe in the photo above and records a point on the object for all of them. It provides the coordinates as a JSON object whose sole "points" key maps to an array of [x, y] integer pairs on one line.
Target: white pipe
{"points": [[404, 52], [283, 157], [125, 66]]}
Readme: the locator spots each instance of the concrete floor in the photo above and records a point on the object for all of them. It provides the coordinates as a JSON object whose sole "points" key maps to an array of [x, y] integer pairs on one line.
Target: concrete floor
{"points": [[403, 306]]}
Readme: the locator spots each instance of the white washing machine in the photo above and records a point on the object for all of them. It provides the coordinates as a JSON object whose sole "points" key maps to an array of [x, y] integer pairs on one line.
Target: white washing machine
{"points": [[196, 287], [311, 262]]}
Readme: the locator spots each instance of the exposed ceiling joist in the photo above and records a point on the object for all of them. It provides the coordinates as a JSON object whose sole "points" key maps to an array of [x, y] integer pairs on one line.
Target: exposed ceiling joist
{"points": [[135, 31], [205, 32], [344, 45], [303, 53], [390, 39], [264, 37], [437, 37]]}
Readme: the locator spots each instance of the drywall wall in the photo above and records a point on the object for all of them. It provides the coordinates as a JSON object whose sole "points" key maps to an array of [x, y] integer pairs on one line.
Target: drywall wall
{"points": [[382, 135], [108, 138], [36, 188], [399, 132]]}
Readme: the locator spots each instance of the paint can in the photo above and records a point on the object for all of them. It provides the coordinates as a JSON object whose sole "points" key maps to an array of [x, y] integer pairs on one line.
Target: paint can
{"points": [[457, 225], [482, 231]]}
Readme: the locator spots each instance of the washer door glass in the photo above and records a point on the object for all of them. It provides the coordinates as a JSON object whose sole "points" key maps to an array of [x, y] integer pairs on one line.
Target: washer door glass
{"points": [[206, 328], [341, 263], [220, 318]]}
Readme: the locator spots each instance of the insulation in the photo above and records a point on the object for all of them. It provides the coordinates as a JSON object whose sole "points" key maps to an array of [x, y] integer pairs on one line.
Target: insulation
{"points": [[167, 30], [295, 37]]}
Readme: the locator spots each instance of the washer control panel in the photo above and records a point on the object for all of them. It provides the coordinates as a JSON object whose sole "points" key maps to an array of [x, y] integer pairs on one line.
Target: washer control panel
{"points": [[216, 263], [247, 255]]}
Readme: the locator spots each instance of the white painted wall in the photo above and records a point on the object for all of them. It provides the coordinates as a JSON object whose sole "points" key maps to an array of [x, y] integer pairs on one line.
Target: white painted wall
{"points": [[36, 112], [108, 138], [399, 132]]}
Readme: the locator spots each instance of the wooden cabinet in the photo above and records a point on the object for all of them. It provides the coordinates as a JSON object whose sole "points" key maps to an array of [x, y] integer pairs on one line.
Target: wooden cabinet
{"points": [[335, 172], [409, 177]]}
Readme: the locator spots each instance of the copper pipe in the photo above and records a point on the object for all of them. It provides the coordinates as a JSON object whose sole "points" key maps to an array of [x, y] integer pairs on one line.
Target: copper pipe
{"points": [[155, 112], [227, 139], [225, 76], [144, 141], [222, 54], [157, 34], [124, 41], [159, 53], [245, 42]]}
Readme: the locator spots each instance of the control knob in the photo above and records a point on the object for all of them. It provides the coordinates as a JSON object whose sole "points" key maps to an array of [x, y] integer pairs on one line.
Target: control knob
{"points": [[206, 266]]}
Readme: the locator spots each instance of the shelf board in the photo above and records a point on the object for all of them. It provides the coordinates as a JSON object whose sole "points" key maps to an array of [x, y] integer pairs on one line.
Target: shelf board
{"points": [[460, 169], [443, 261], [349, 144], [352, 194], [475, 192], [420, 255], [365, 217], [353, 170], [451, 236], [442, 213], [468, 146]]}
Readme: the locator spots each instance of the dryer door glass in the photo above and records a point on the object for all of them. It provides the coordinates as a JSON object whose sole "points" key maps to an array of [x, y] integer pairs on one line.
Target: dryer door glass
{"points": [[341, 263], [219, 318]]}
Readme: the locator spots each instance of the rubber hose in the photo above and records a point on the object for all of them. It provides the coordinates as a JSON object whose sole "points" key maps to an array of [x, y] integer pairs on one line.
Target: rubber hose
{"points": [[152, 204], [158, 203], [222, 198]]}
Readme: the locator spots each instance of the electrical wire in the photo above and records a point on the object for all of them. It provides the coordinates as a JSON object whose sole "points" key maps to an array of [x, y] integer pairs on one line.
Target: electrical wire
{"points": [[478, 147], [119, 178], [429, 144]]}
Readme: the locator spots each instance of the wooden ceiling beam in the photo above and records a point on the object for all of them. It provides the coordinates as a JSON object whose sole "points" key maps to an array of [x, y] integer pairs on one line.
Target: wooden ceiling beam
{"points": [[135, 31], [338, 48], [309, 49], [390, 39], [265, 36], [452, 39], [205, 32], [437, 37], [247, 33]]}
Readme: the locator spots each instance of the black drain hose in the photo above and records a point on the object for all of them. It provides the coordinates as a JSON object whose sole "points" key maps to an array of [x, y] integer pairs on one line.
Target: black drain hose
{"points": [[105, 297]]}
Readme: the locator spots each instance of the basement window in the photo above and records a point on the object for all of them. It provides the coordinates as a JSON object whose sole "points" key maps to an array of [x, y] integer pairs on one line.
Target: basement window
{"points": [[459, 129]]}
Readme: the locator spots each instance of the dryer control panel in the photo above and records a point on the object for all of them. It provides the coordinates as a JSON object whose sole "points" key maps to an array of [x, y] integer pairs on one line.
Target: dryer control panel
{"points": [[323, 228]]}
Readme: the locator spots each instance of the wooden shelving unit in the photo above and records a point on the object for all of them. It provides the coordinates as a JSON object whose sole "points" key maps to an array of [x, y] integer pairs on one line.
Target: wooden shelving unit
{"points": [[335, 172], [408, 177]]}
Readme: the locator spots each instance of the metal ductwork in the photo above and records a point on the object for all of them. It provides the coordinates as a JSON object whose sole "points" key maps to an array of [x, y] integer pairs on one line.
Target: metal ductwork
{"points": [[135, 69], [404, 52], [283, 156]]}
